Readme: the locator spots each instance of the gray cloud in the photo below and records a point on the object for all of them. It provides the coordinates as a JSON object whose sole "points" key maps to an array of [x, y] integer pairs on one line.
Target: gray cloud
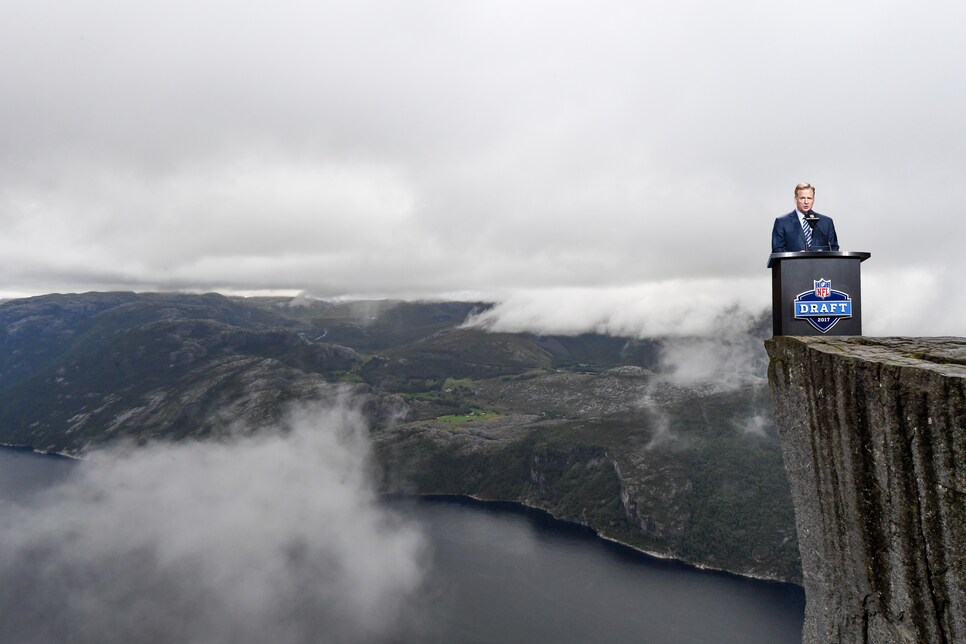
{"points": [[760, 424], [723, 362], [676, 308], [372, 149], [273, 537]]}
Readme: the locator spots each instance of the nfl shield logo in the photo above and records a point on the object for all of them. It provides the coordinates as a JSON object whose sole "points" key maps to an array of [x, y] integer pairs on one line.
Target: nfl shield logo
{"points": [[823, 306], [823, 288]]}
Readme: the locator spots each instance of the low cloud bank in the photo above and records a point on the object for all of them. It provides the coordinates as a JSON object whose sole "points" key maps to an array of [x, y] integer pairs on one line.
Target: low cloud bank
{"points": [[724, 363], [711, 330], [674, 308], [275, 537], [918, 301], [707, 328], [913, 302]]}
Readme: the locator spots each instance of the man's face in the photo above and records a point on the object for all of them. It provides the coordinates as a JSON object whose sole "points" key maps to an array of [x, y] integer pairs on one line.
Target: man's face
{"points": [[804, 199]]}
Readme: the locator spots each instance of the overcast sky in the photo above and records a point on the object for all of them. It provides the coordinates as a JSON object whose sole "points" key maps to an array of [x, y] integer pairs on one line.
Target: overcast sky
{"points": [[622, 158]]}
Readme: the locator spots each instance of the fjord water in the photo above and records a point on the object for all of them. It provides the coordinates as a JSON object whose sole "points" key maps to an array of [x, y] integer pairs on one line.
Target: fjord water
{"points": [[507, 574], [500, 573]]}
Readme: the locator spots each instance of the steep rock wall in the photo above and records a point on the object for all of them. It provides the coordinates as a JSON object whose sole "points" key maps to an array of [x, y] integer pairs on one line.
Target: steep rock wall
{"points": [[872, 437]]}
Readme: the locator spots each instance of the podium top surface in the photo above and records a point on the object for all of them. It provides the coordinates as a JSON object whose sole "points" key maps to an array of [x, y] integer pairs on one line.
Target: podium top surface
{"points": [[777, 257]]}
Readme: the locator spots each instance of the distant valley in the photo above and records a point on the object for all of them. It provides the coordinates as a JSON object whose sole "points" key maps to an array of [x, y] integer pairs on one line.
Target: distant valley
{"points": [[590, 428]]}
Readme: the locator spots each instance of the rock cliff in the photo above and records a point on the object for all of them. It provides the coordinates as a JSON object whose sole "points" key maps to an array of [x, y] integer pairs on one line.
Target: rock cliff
{"points": [[872, 437]]}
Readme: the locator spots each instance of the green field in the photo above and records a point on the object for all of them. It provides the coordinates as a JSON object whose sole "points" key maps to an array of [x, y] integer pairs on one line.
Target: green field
{"points": [[473, 414]]}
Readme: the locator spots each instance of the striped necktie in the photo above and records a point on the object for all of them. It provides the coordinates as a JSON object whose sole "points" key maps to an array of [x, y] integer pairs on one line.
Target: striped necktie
{"points": [[807, 231]]}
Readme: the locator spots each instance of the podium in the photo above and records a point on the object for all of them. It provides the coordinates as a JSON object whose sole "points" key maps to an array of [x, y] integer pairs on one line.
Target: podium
{"points": [[816, 293]]}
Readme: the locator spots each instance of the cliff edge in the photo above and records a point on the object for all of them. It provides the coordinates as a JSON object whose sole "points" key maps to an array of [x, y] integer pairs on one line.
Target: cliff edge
{"points": [[872, 437]]}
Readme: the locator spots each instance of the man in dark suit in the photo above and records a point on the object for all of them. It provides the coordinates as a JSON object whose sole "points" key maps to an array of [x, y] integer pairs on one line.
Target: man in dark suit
{"points": [[794, 232]]}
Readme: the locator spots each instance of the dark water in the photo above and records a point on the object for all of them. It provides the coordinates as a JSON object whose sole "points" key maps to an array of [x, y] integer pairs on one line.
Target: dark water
{"points": [[506, 574], [500, 573], [23, 473]]}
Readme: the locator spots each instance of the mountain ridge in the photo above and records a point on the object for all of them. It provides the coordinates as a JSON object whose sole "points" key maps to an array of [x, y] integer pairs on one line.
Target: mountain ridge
{"points": [[586, 427]]}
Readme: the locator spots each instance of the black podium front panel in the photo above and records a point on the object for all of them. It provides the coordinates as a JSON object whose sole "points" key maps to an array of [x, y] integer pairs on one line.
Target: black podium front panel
{"points": [[817, 293]]}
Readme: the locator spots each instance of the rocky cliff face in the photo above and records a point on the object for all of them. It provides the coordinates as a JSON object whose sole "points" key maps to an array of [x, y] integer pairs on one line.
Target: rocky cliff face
{"points": [[872, 437]]}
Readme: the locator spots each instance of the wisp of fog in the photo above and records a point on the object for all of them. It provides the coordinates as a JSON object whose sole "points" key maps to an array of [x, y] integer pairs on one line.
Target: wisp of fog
{"points": [[270, 536]]}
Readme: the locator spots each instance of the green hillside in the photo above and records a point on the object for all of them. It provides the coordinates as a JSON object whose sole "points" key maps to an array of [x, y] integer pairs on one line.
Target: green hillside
{"points": [[584, 426]]}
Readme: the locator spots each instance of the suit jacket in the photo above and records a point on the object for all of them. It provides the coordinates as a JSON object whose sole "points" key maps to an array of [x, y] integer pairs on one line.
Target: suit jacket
{"points": [[787, 234]]}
